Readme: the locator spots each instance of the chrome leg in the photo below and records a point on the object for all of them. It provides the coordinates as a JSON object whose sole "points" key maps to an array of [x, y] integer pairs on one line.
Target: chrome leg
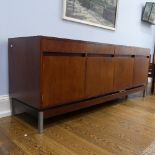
{"points": [[12, 107], [40, 122], [144, 92], [126, 97]]}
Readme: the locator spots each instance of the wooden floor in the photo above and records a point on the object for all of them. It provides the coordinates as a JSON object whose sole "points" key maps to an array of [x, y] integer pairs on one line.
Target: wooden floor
{"points": [[124, 127]]}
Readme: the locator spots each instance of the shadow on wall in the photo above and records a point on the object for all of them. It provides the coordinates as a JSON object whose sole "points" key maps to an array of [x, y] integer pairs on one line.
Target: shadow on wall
{"points": [[146, 27]]}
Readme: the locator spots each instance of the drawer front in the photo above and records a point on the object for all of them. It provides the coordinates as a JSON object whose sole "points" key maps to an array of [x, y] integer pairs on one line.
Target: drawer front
{"points": [[142, 52], [122, 50], [99, 48], [64, 46], [72, 46], [63, 80]]}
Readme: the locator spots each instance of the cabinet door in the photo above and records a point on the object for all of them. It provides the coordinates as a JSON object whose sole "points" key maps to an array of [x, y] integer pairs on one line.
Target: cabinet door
{"points": [[141, 65], [99, 76], [123, 73], [63, 79], [153, 79]]}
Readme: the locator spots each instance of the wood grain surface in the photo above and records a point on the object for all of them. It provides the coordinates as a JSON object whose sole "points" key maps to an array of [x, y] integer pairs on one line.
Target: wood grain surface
{"points": [[122, 127]]}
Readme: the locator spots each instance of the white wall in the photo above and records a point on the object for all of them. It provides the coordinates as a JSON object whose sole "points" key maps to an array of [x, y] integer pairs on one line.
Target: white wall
{"points": [[44, 17]]}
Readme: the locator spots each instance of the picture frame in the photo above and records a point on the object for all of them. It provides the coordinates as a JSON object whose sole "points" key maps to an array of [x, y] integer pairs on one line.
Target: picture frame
{"points": [[99, 13], [148, 14]]}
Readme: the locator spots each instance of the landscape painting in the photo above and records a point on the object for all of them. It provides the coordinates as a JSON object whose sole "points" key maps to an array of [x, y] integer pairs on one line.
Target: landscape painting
{"points": [[101, 13]]}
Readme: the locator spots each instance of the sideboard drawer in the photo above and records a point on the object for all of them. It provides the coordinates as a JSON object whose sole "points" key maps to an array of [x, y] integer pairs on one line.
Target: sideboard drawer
{"points": [[67, 46], [71, 46], [122, 50], [142, 52], [98, 49]]}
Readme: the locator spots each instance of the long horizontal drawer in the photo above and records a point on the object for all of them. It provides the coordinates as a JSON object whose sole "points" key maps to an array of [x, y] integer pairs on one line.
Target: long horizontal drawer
{"points": [[135, 51], [142, 51], [122, 50], [71, 46], [75, 46], [55, 45]]}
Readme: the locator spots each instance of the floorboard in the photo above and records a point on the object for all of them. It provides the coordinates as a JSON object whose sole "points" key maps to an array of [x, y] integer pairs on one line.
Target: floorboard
{"points": [[122, 127]]}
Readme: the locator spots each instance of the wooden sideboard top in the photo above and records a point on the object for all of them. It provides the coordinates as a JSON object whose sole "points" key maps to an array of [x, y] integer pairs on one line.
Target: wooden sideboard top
{"points": [[52, 44]]}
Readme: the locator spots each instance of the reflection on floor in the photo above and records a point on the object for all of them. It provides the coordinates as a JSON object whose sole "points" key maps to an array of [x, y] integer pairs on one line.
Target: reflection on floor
{"points": [[122, 127]]}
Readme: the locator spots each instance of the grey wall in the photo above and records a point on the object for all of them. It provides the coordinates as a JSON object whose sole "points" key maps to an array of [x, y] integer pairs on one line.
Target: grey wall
{"points": [[44, 17]]}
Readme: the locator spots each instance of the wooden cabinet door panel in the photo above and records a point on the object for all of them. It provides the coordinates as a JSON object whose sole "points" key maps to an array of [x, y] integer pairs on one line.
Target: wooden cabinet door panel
{"points": [[153, 79], [141, 65], [99, 76], [63, 79], [123, 73]]}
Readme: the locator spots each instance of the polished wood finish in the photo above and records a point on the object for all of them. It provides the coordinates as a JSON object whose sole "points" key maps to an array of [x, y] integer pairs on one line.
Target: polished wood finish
{"points": [[124, 127], [123, 50], [24, 70], [141, 65], [84, 104], [71, 46], [123, 74], [98, 48], [64, 78], [55, 76], [153, 78], [99, 76], [67, 46]]}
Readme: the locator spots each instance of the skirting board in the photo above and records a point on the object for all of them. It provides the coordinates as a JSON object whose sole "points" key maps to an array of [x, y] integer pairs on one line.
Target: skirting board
{"points": [[5, 109]]}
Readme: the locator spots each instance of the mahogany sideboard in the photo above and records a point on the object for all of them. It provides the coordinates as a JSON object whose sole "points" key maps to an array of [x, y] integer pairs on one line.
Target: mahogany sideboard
{"points": [[55, 76], [153, 75]]}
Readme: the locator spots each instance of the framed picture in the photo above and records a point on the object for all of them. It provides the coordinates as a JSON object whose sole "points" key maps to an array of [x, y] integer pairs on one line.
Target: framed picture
{"points": [[148, 14], [100, 13]]}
